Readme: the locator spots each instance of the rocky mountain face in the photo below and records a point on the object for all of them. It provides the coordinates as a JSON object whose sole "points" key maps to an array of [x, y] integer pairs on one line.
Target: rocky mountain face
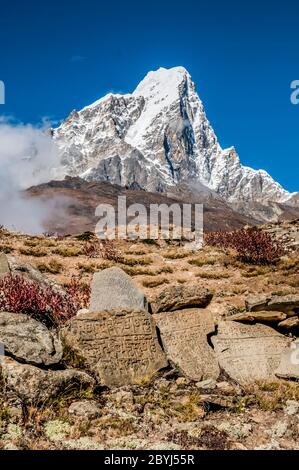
{"points": [[80, 198], [158, 138]]}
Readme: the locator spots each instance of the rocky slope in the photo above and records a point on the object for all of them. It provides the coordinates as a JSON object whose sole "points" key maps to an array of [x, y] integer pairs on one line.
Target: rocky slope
{"points": [[158, 137], [52, 394], [79, 199]]}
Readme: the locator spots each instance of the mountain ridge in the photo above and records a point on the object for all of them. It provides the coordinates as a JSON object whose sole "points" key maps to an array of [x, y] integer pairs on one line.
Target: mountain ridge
{"points": [[156, 138]]}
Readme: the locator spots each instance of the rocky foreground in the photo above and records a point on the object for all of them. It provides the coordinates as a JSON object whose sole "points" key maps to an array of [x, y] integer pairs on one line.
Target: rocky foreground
{"points": [[146, 346]]}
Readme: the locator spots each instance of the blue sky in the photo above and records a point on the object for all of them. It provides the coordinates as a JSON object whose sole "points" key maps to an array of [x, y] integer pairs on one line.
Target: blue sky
{"points": [[60, 55]]}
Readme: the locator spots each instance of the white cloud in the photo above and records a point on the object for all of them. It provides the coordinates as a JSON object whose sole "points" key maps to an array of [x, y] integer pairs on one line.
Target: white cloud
{"points": [[28, 157]]}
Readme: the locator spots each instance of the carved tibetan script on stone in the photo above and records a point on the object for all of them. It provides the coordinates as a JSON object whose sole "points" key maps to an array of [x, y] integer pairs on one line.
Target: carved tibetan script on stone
{"points": [[248, 353], [185, 339], [121, 347]]}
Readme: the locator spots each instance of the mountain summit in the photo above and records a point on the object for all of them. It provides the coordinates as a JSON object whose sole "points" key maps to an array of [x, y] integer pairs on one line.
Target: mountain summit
{"points": [[157, 138]]}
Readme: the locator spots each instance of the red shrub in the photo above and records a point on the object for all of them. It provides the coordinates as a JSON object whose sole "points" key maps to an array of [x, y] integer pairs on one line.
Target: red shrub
{"points": [[79, 293], [19, 295], [252, 245], [109, 251]]}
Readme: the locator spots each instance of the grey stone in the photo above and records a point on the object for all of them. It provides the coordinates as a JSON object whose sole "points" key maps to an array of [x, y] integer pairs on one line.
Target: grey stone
{"points": [[257, 302], [178, 297], [184, 335], [248, 353], [236, 430], [85, 409], [83, 443], [4, 266], [262, 316], [28, 340], [288, 367], [30, 273], [121, 347], [289, 323], [208, 384], [273, 445], [123, 397], [279, 430], [287, 304], [35, 386], [291, 408], [20, 268], [112, 289]]}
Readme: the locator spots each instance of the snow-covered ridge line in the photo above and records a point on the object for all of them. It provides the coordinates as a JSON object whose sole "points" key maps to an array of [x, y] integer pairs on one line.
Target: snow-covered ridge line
{"points": [[156, 138]]}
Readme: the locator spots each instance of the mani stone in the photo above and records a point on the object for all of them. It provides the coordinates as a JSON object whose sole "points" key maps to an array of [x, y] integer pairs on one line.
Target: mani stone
{"points": [[4, 266], [184, 335], [28, 340], [34, 385], [263, 316], [289, 363], [114, 289], [120, 347], [178, 297], [248, 353]]}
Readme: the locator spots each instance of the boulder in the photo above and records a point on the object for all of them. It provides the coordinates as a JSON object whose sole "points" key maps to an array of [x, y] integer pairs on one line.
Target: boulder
{"points": [[35, 386], [263, 316], [184, 335], [19, 268], [289, 363], [114, 289], [178, 297], [120, 346], [28, 340], [85, 409], [248, 353], [288, 304], [289, 323], [4, 266], [30, 273], [257, 302]]}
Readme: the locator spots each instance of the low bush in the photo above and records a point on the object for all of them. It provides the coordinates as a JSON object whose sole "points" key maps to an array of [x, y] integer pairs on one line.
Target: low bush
{"points": [[79, 292], [67, 252], [151, 283], [146, 261], [53, 267], [202, 262], [6, 249], [45, 304], [38, 253], [86, 236], [110, 252], [252, 245]]}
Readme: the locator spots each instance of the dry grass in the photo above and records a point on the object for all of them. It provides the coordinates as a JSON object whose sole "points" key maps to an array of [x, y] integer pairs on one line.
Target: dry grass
{"points": [[66, 252], [175, 254], [217, 269], [151, 283], [53, 266], [35, 252], [212, 275], [146, 261], [199, 262], [142, 271], [268, 396]]}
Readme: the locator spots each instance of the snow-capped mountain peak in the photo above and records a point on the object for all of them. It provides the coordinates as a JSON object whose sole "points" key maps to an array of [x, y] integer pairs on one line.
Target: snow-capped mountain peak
{"points": [[155, 138]]}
